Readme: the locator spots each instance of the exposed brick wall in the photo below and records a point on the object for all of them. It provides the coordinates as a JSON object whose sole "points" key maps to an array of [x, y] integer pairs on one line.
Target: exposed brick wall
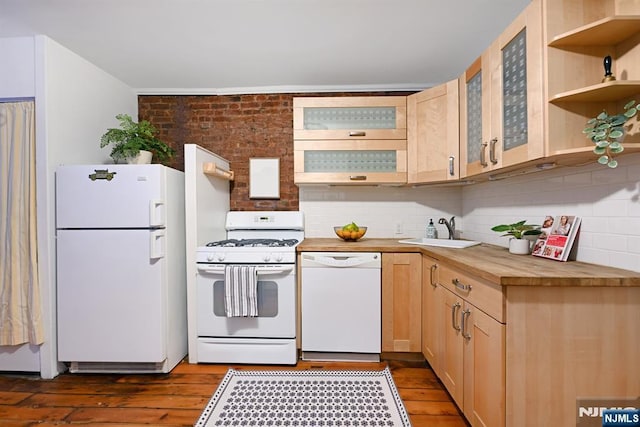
{"points": [[235, 127]]}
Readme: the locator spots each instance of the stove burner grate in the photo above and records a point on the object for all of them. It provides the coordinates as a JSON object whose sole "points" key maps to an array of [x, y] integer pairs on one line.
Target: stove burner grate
{"points": [[231, 243]]}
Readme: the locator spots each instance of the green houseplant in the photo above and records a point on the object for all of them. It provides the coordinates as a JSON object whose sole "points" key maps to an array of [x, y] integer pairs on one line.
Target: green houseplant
{"points": [[132, 137], [607, 132], [519, 231]]}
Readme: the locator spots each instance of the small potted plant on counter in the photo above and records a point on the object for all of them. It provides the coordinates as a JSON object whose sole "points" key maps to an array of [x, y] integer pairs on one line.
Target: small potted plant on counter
{"points": [[521, 236], [135, 142]]}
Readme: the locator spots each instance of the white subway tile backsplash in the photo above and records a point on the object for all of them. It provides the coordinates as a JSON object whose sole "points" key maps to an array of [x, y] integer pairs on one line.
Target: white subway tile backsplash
{"points": [[608, 200], [627, 260], [633, 174], [629, 226], [610, 242], [610, 208], [608, 175], [578, 179], [379, 208]]}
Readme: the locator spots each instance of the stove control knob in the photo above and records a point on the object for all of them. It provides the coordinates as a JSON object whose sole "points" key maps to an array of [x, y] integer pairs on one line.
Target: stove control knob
{"points": [[220, 257], [278, 257], [210, 257], [266, 258]]}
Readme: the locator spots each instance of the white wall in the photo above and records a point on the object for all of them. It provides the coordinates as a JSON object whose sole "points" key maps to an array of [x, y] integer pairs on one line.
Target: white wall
{"points": [[17, 78], [608, 200], [17, 81], [75, 103]]}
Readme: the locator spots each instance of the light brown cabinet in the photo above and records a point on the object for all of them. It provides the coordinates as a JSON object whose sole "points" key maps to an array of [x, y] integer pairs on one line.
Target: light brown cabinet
{"points": [[502, 99], [431, 323], [401, 302], [470, 344], [505, 352], [579, 34], [567, 344], [350, 140], [433, 134]]}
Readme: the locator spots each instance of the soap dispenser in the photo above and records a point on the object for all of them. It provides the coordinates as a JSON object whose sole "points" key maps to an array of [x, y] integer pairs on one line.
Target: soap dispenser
{"points": [[432, 232]]}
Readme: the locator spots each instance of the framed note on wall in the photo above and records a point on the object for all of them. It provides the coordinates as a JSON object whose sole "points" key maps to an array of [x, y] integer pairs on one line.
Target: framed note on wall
{"points": [[264, 178]]}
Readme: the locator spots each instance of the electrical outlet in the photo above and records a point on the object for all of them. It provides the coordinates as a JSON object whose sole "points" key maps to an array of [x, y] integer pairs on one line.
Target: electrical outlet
{"points": [[399, 228]]}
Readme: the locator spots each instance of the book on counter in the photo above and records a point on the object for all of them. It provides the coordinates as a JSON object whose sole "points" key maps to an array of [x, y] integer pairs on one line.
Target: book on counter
{"points": [[557, 237]]}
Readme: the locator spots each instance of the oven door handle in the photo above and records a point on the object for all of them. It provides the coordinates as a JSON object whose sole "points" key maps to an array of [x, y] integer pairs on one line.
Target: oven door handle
{"points": [[260, 270]]}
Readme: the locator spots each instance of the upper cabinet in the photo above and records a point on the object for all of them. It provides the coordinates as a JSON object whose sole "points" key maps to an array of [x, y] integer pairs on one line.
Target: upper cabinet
{"points": [[350, 140], [521, 106], [433, 136], [579, 35], [502, 99]]}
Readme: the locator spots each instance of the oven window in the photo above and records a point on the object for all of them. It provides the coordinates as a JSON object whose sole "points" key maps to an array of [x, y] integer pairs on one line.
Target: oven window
{"points": [[267, 298]]}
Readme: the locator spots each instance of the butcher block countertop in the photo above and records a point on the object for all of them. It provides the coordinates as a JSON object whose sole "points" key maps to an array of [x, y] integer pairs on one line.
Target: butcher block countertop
{"points": [[492, 263]]}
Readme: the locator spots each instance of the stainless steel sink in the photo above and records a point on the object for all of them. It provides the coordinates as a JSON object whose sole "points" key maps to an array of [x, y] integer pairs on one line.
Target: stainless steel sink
{"points": [[443, 243]]}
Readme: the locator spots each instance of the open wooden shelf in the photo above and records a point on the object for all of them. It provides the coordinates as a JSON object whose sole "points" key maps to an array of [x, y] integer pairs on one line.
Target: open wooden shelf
{"points": [[602, 92], [604, 32]]}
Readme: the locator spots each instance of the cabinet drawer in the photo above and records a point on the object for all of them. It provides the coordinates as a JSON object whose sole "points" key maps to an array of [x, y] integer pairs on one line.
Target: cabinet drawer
{"points": [[486, 296]]}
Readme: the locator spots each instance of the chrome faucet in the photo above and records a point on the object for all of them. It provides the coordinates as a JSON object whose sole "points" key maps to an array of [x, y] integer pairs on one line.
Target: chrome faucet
{"points": [[451, 226]]}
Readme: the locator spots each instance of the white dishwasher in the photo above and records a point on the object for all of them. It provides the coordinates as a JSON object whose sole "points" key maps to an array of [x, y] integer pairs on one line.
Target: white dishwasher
{"points": [[341, 306]]}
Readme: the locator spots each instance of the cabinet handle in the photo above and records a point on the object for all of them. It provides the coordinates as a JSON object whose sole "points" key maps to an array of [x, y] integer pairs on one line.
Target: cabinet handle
{"points": [[357, 133], [492, 151], [358, 177], [452, 171], [431, 271], [465, 315], [483, 159], [458, 284], [454, 309]]}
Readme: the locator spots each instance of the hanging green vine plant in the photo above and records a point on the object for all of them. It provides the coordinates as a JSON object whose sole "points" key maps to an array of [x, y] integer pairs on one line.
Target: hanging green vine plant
{"points": [[607, 133]]}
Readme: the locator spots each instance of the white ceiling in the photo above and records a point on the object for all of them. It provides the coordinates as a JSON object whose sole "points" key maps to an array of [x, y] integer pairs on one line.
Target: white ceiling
{"points": [[242, 46]]}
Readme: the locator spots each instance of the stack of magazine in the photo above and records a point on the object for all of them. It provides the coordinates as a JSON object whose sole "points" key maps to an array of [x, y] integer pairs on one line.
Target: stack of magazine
{"points": [[558, 235]]}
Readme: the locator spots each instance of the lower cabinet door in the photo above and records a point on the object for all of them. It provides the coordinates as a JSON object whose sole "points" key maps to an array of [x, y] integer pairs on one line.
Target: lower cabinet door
{"points": [[451, 365], [431, 317], [401, 302], [484, 368]]}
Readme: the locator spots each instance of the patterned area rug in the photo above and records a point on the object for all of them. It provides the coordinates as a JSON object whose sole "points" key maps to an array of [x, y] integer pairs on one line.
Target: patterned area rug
{"points": [[305, 398]]}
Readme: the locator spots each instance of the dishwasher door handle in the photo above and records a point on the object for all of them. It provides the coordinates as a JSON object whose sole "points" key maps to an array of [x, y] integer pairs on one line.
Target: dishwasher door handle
{"points": [[351, 260]]}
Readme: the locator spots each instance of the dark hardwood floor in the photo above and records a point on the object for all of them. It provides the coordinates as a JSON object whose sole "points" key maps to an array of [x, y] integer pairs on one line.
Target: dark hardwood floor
{"points": [[177, 398]]}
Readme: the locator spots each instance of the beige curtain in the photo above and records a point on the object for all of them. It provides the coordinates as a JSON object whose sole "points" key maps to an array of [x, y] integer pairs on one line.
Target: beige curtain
{"points": [[20, 311]]}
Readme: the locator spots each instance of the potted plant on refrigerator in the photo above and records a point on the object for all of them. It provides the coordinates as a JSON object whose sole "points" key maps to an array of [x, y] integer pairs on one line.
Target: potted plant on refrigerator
{"points": [[135, 142], [521, 234]]}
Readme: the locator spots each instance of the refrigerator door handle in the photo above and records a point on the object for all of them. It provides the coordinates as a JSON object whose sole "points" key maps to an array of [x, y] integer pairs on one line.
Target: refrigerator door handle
{"points": [[156, 213], [157, 244]]}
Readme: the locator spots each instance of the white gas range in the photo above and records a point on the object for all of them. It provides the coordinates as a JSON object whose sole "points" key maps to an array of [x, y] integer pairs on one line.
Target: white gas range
{"points": [[260, 248]]}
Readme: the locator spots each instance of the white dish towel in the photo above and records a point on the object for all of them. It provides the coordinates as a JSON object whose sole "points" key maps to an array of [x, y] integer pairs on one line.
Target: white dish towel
{"points": [[240, 291]]}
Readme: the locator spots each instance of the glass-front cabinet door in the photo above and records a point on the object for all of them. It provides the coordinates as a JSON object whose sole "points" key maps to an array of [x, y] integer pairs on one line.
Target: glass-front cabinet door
{"points": [[355, 140], [475, 118], [359, 117], [501, 98]]}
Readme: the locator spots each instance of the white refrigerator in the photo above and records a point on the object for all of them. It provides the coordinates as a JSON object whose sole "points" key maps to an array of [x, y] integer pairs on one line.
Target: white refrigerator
{"points": [[121, 273]]}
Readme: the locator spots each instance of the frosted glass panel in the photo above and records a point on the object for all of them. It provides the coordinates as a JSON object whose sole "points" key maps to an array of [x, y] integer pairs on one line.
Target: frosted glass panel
{"points": [[350, 161], [514, 93], [474, 118], [350, 118]]}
